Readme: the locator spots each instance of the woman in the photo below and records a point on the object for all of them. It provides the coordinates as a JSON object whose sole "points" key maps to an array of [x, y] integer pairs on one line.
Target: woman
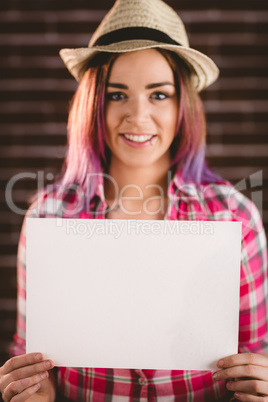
{"points": [[136, 150]]}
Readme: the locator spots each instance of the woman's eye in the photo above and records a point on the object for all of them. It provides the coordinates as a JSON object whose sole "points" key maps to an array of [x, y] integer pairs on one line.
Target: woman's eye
{"points": [[160, 96], [115, 96]]}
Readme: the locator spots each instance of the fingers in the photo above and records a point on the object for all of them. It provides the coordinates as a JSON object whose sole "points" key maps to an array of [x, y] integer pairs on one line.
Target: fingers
{"points": [[20, 361], [26, 394], [21, 376], [249, 398], [24, 387], [244, 358], [258, 372], [253, 387], [26, 372]]}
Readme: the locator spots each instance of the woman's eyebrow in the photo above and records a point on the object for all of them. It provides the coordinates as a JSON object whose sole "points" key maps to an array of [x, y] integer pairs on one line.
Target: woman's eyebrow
{"points": [[159, 84], [149, 86]]}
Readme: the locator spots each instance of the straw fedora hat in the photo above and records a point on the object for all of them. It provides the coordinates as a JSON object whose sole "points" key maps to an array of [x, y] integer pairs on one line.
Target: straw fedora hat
{"points": [[142, 24]]}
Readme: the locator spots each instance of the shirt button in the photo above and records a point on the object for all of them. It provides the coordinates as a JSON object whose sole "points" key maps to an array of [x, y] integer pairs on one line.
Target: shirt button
{"points": [[142, 381]]}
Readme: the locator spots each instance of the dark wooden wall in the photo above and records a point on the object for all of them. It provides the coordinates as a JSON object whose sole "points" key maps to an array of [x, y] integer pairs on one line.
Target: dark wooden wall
{"points": [[35, 89]]}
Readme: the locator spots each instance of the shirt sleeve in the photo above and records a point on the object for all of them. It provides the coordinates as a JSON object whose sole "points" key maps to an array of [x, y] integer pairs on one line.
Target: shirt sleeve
{"points": [[49, 203], [18, 346], [253, 321]]}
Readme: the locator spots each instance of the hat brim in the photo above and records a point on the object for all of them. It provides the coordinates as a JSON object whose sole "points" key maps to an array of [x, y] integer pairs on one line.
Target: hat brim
{"points": [[204, 69]]}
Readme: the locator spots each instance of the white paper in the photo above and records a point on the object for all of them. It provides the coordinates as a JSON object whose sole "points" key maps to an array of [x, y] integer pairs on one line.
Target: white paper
{"points": [[133, 294]]}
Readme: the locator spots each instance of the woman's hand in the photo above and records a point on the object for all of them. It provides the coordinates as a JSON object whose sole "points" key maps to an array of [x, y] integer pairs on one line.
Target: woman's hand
{"points": [[25, 375], [247, 375]]}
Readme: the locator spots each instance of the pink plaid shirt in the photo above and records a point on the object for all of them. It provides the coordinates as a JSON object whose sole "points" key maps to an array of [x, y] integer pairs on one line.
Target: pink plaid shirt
{"points": [[213, 201]]}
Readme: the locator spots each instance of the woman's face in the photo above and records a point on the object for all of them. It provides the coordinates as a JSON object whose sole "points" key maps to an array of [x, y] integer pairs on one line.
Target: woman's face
{"points": [[141, 109]]}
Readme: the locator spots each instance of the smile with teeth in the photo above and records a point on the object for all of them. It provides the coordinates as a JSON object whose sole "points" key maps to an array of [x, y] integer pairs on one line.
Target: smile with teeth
{"points": [[138, 138]]}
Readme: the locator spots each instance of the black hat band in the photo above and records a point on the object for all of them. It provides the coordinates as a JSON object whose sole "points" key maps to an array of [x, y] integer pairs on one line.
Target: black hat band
{"points": [[132, 33]]}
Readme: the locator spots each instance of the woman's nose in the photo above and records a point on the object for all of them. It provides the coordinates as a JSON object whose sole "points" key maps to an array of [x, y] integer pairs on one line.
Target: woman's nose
{"points": [[138, 111]]}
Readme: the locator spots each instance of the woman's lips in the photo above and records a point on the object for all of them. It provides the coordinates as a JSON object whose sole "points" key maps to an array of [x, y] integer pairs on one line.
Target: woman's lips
{"points": [[140, 140]]}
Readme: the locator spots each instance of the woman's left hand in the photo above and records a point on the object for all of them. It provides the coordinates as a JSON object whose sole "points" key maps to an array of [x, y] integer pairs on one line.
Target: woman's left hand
{"points": [[247, 375]]}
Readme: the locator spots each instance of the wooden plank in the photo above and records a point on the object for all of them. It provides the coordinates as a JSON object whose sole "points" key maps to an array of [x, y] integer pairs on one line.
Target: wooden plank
{"points": [[37, 85], [70, 85], [17, 62], [87, 15], [7, 261], [80, 40], [55, 108], [106, 5], [34, 129], [33, 151], [8, 304], [237, 150], [59, 129]]}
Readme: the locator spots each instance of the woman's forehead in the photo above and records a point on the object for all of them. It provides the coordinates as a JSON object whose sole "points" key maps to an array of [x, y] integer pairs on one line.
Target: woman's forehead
{"points": [[141, 63]]}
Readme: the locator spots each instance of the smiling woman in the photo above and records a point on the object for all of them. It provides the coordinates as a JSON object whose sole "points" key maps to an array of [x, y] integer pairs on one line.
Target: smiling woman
{"points": [[140, 120], [148, 92], [144, 112], [137, 140], [141, 125]]}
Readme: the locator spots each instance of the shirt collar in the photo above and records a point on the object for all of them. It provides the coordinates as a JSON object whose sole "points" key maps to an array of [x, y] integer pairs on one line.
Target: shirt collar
{"points": [[177, 185], [180, 187]]}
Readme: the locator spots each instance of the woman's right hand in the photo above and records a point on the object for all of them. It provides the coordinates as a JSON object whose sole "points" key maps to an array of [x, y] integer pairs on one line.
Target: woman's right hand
{"points": [[22, 376]]}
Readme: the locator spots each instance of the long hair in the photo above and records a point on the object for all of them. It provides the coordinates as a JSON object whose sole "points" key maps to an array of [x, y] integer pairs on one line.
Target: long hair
{"points": [[88, 154], [189, 145]]}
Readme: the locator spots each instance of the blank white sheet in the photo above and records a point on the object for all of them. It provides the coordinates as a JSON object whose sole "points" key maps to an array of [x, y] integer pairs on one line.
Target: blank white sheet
{"points": [[131, 293]]}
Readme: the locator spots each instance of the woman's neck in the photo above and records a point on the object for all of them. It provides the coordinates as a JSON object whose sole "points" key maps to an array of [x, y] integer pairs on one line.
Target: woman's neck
{"points": [[137, 193], [140, 183]]}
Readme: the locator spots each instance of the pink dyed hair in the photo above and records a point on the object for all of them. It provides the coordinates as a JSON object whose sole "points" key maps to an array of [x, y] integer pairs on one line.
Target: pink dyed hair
{"points": [[189, 145], [87, 151]]}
